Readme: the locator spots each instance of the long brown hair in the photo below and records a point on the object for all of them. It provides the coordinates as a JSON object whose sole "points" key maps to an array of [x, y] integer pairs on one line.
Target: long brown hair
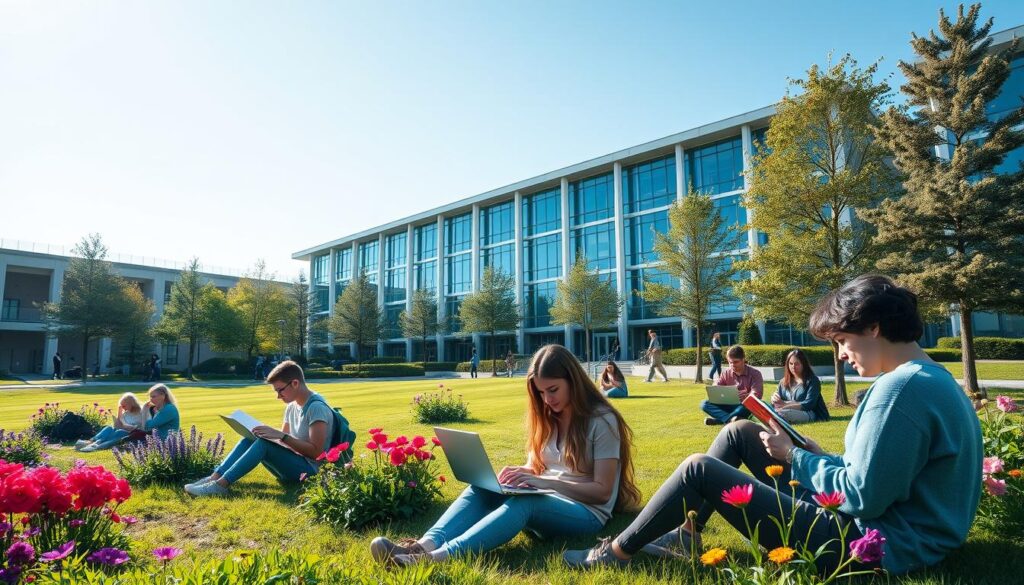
{"points": [[805, 368], [617, 375], [586, 401]]}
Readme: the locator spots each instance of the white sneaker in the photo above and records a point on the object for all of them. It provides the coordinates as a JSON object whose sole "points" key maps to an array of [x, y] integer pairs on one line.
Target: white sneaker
{"points": [[81, 443], [198, 482], [207, 489], [89, 448]]}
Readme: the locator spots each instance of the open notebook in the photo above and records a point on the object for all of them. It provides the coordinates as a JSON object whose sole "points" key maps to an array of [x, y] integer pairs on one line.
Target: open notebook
{"points": [[243, 424]]}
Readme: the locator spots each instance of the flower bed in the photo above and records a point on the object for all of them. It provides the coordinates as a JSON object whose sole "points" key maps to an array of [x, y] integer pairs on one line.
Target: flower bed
{"points": [[1002, 503], [439, 407], [26, 447], [174, 460], [62, 425]]}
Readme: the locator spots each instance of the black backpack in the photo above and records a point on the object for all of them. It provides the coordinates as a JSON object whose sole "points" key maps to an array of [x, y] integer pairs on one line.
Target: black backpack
{"points": [[341, 431]]}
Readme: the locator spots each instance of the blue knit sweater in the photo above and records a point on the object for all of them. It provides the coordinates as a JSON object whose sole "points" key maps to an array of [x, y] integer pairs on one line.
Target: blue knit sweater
{"points": [[912, 466]]}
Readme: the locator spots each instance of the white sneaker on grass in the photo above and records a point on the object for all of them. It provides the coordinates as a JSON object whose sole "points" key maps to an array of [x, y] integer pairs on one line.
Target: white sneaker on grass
{"points": [[198, 482], [89, 448], [81, 443], [674, 543], [207, 489]]}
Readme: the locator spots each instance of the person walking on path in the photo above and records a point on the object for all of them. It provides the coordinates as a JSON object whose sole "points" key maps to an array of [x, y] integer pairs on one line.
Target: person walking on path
{"points": [[474, 364], [654, 353], [716, 355], [56, 366]]}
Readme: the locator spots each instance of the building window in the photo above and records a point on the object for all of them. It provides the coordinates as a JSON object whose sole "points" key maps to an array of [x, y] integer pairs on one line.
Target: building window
{"points": [[170, 354], [591, 199], [392, 328], [1011, 92], [733, 215], [497, 224], [368, 260], [640, 236], [636, 280], [458, 274], [537, 300], [542, 212], [396, 247], [394, 285], [10, 310], [321, 288], [542, 257], [458, 233], [319, 275], [343, 264], [451, 311], [649, 185], [425, 242], [425, 276], [501, 258], [597, 243], [759, 141], [716, 168]]}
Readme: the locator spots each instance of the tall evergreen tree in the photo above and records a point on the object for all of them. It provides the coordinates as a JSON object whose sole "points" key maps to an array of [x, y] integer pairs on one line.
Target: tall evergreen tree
{"points": [[190, 314], [94, 302], [957, 237], [492, 308], [357, 317], [134, 338], [301, 298], [821, 170], [691, 253], [421, 321], [586, 299]]}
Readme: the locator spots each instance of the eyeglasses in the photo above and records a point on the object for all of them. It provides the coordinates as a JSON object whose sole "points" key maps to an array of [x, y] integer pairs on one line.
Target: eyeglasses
{"points": [[282, 388]]}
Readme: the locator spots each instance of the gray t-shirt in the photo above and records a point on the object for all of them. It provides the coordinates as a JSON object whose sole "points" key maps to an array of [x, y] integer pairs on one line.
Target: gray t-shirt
{"points": [[299, 419], [603, 442]]}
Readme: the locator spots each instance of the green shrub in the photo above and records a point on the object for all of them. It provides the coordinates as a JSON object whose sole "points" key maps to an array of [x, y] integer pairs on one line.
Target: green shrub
{"points": [[26, 447], [439, 366], [49, 422], [989, 348], [757, 355], [943, 355], [173, 460], [748, 333], [225, 365], [439, 407], [384, 370], [485, 366], [1002, 502], [397, 482], [385, 359]]}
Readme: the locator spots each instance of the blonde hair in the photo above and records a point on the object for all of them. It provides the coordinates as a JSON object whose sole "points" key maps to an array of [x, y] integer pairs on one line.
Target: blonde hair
{"points": [[163, 390], [133, 402], [586, 402]]}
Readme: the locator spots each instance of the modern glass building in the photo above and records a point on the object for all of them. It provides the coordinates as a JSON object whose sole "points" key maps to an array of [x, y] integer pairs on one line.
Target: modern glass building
{"points": [[609, 208]]}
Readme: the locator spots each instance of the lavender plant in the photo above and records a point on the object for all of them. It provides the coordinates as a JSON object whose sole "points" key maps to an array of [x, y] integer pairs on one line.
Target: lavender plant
{"points": [[176, 459], [25, 447]]}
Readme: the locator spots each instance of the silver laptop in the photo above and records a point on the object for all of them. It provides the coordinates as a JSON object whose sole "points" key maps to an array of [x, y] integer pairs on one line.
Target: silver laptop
{"points": [[728, 395], [469, 462]]}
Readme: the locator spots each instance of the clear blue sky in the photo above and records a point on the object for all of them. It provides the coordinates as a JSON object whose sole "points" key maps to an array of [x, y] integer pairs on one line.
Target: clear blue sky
{"points": [[239, 130]]}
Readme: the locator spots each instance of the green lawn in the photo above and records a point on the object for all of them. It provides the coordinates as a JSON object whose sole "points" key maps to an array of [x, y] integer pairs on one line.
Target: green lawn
{"points": [[1001, 370], [261, 514]]}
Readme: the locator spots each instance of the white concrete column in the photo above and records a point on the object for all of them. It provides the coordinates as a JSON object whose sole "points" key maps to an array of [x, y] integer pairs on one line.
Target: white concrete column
{"points": [[474, 270], [380, 285], [517, 254], [56, 284], [748, 149], [49, 348], [332, 290], [441, 309], [687, 334], [681, 187], [567, 256], [105, 346], [159, 284], [3, 279], [620, 260], [409, 264], [356, 268]]}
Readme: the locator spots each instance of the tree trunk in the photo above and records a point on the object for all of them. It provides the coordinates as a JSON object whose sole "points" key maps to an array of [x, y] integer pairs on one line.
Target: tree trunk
{"points": [[967, 355], [699, 378], [840, 369], [586, 343], [494, 363], [191, 357], [85, 359]]}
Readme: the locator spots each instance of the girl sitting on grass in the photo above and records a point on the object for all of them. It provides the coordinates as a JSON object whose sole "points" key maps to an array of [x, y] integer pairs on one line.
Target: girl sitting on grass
{"points": [[613, 381], [130, 417]]}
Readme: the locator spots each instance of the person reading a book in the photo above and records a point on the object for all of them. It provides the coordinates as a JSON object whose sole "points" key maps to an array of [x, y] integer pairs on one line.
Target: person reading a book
{"points": [[578, 445], [130, 417], [747, 381], [289, 453], [909, 474], [163, 412], [798, 397]]}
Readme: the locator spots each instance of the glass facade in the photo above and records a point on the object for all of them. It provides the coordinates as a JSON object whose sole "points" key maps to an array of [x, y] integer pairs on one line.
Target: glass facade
{"points": [[733, 213], [591, 199], [716, 168], [451, 310], [497, 224], [425, 242], [1009, 97], [425, 275], [458, 233], [392, 329], [649, 185], [321, 284], [640, 230], [542, 212], [394, 285], [636, 279], [542, 257], [537, 299], [502, 258], [597, 243], [395, 246], [368, 260], [343, 264], [458, 275]]}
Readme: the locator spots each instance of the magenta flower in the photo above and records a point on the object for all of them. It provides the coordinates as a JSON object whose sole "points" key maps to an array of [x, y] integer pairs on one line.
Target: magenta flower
{"points": [[20, 553], [739, 495], [991, 465], [59, 553], [995, 487], [411, 484], [129, 520], [76, 523], [109, 556], [166, 553], [830, 501], [1006, 404], [869, 548]]}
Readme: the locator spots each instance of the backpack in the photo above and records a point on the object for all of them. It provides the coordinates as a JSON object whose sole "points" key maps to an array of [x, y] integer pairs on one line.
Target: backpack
{"points": [[341, 432]]}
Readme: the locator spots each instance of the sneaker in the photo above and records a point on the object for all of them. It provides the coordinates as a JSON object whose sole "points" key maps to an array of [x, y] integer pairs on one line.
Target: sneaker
{"points": [[711, 421], [383, 550], [600, 555], [674, 543], [408, 560], [198, 482], [81, 443], [207, 489], [89, 448]]}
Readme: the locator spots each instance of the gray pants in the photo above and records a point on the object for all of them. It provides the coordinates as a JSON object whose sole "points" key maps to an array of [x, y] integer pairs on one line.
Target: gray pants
{"points": [[698, 483], [656, 365], [795, 416]]}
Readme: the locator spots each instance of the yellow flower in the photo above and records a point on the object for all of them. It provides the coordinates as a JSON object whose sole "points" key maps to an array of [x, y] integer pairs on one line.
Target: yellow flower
{"points": [[794, 483], [713, 557], [781, 555], [774, 470]]}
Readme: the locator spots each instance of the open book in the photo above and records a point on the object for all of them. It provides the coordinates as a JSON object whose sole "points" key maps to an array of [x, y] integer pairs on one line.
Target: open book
{"points": [[764, 413], [243, 424]]}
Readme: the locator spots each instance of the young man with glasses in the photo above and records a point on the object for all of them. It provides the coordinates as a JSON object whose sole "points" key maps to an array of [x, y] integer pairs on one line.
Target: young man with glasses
{"points": [[289, 453]]}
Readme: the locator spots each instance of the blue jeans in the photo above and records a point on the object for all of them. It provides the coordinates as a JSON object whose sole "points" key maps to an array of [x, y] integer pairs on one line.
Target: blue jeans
{"points": [[616, 392], [108, 437], [724, 413], [480, 520], [247, 454], [716, 364]]}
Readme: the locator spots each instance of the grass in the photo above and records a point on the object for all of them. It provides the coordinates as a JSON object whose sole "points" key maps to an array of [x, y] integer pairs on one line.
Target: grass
{"points": [[990, 370], [261, 514]]}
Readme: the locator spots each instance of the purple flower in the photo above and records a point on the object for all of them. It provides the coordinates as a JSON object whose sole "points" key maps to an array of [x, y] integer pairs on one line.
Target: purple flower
{"points": [[60, 553], [166, 553], [108, 556], [411, 484], [869, 548], [4, 528], [11, 575], [76, 523], [20, 553], [34, 531]]}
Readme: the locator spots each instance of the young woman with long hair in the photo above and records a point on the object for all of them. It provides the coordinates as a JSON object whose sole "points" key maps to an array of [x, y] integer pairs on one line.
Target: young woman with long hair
{"points": [[130, 417], [613, 381], [798, 398], [577, 445]]}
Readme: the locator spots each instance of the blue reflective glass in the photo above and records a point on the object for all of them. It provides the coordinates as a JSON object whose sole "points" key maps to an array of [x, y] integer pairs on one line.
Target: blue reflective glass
{"points": [[368, 258], [425, 241], [542, 212], [458, 274], [733, 213], [733, 304], [321, 296], [649, 185], [597, 243], [426, 276], [395, 245], [591, 199], [391, 324], [759, 141], [542, 257], [640, 236], [716, 168], [1009, 97], [343, 264], [637, 307], [1011, 164], [452, 305], [537, 300], [458, 233], [394, 285], [319, 275], [497, 223], [500, 257]]}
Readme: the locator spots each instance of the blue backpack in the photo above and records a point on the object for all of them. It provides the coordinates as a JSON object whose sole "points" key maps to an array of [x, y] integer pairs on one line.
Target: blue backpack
{"points": [[342, 432]]}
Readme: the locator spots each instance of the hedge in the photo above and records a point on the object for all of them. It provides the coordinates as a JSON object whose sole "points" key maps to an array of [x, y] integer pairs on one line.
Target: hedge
{"points": [[438, 366], [989, 348], [225, 365], [385, 359], [485, 366], [368, 371], [757, 355], [941, 354]]}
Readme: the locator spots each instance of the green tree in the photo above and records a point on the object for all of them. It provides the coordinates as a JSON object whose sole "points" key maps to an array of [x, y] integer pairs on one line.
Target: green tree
{"points": [[748, 333], [190, 314], [301, 299], [586, 299], [357, 317], [94, 302], [261, 304], [957, 237], [134, 338], [821, 170], [492, 308], [421, 320], [691, 253]]}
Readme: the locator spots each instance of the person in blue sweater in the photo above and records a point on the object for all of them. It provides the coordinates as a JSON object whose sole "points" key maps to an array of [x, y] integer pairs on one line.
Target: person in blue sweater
{"points": [[910, 470], [164, 410], [798, 397]]}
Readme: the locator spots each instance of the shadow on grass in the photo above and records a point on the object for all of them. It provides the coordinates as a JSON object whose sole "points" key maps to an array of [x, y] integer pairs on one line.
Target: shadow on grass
{"points": [[633, 397]]}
